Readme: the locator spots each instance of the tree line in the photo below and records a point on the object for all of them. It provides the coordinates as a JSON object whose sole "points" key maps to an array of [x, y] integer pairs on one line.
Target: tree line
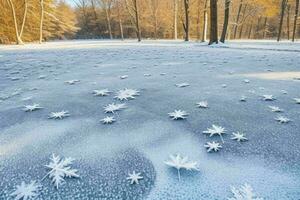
{"points": [[213, 20]]}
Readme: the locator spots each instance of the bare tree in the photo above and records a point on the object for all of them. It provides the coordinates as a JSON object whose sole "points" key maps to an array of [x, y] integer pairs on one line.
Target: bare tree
{"points": [[244, 16], [213, 22], [283, 7], [133, 10], [237, 19], [295, 19], [204, 32], [250, 30], [24, 17], [41, 20], [106, 5], [118, 4], [226, 20], [265, 27], [13, 13], [186, 23], [288, 9], [153, 5], [175, 19]]}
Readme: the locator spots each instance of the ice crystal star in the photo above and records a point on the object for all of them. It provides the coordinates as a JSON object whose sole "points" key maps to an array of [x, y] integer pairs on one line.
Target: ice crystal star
{"points": [[60, 169], [297, 100], [72, 82], [238, 136], [108, 120], [126, 94], [215, 130], [267, 97], [181, 85], [30, 108], [202, 104], [212, 146], [178, 162], [282, 119], [178, 114], [26, 191], [275, 109], [134, 177], [111, 108], [104, 92], [59, 115], [245, 192]]}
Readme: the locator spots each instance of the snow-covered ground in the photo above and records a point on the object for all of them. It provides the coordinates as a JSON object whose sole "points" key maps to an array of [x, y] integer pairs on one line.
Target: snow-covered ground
{"points": [[61, 76]]}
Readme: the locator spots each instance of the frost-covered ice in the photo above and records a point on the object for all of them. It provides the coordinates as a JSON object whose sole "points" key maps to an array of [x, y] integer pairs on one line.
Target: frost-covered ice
{"points": [[60, 76]]}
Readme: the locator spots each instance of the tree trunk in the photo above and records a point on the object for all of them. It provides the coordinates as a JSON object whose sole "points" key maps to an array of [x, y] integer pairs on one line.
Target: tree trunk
{"points": [[136, 11], [257, 28], [108, 22], [175, 19], [186, 25], [226, 19], [288, 21], [242, 27], [18, 39], [213, 22], [250, 30], [204, 33], [120, 21], [265, 27], [24, 18], [283, 6], [295, 20], [41, 20], [198, 19], [237, 19]]}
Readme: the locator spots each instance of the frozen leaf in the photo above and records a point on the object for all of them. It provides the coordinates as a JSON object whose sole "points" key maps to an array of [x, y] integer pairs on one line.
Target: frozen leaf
{"points": [[238, 136], [178, 162], [245, 192], [215, 130], [112, 108]]}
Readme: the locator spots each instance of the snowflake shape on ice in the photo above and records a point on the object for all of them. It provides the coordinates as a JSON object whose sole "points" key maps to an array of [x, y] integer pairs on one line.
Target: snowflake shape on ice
{"points": [[134, 177], [30, 108], [59, 115], [108, 120], [202, 104], [238, 136], [275, 109], [213, 146], [59, 169], [72, 82], [245, 192], [104, 92], [26, 191], [215, 130], [268, 97], [282, 119], [126, 94], [178, 114], [112, 108], [297, 100], [178, 162]]}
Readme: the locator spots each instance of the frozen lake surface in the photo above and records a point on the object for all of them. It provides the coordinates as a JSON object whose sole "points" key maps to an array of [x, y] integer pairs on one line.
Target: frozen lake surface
{"points": [[143, 135]]}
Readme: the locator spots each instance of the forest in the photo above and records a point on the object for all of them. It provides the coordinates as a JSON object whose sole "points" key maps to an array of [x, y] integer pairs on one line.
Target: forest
{"points": [[23, 21]]}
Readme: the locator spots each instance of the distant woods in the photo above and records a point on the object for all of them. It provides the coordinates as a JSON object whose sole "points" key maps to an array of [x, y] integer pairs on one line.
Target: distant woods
{"points": [[214, 20]]}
